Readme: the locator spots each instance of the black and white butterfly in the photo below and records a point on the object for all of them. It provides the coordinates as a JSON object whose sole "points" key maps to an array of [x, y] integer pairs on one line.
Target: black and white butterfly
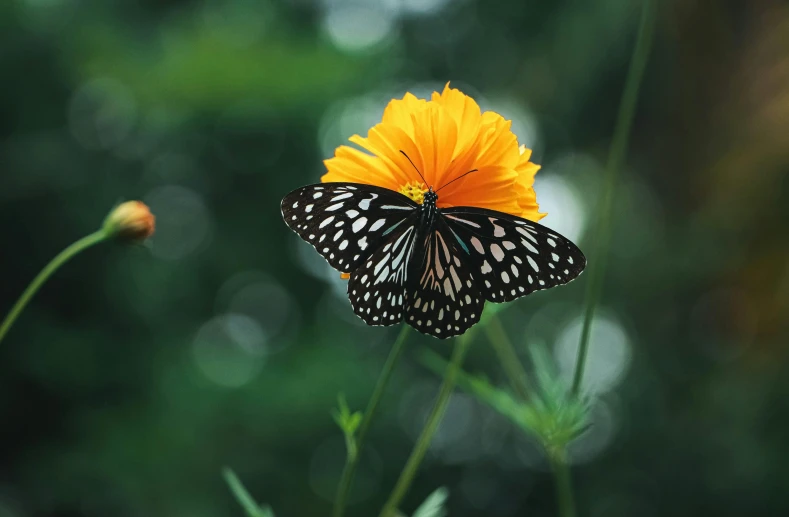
{"points": [[431, 267]]}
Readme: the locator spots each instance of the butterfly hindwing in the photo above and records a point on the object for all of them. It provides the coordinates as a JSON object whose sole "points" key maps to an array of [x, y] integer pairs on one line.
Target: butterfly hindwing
{"points": [[510, 256], [443, 299], [377, 288], [345, 222]]}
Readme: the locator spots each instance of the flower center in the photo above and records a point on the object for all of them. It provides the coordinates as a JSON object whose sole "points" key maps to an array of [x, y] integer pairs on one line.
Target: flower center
{"points": [[414, 190]]}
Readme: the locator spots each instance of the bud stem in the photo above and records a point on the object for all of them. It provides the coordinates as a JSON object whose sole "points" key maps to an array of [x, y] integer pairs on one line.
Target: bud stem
{"points": [[62, 257]]}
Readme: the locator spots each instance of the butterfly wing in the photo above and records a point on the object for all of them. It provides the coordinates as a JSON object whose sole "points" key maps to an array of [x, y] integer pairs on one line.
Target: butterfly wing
{"points": [[511, 256], [377, 288], [444, 299], [346, 222]]}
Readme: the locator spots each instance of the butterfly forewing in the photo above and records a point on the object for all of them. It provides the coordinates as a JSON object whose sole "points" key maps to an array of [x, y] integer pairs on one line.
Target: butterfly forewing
{"points": [[512, 257], [346, 222], [377, 288], [444, 300]]}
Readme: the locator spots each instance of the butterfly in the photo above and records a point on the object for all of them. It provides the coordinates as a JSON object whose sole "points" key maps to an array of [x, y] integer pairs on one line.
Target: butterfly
{"points": [[431, 267]]}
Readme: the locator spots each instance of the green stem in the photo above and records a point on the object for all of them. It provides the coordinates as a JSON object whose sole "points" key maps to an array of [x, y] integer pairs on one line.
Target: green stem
{"points": [[423, 443], [346, 480], [59, 260], [507, 356], [564, 489], [602, 234]]}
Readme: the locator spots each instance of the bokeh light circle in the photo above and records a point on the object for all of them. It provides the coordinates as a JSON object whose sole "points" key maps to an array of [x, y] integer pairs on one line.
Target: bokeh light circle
{"points": [[355, 28], [609, 353], [603, 426], [349, 117], [230, 349], [260, 297], [183, 223], [102, 113], [556, 195]]}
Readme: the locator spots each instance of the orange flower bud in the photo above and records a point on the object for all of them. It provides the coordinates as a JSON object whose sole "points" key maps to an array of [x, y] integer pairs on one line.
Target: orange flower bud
{"points": [[130, 221]]}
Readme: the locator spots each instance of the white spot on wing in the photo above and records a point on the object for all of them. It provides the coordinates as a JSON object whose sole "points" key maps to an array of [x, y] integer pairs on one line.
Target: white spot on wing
{"points": [[377, 224], [497, 252], [477, 245], [359, 224]]}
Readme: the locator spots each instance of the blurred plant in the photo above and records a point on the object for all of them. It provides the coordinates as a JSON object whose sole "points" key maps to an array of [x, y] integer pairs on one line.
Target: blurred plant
{"points": [[549, 412], [247, 502], [131, 221], [505, 351], [551, 415], [434, 505], [348, 423], [450, 374], [616, 155]]}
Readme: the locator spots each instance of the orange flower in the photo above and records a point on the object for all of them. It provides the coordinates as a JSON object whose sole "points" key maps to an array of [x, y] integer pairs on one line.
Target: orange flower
{"points": [[131, 221], [445, 137]]}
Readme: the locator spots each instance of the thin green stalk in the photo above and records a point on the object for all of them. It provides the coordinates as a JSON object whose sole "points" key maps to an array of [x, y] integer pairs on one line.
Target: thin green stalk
{"points": [[62, 257], [564, 489], [436, 414], [507, 356], [602, 234], [352, 460]]}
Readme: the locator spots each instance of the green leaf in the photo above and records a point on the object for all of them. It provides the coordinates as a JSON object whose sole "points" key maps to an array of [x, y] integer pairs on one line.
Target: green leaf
{"points": [[353, 421], [246, 501], [340, 414], [348, 422], [433, 506]]}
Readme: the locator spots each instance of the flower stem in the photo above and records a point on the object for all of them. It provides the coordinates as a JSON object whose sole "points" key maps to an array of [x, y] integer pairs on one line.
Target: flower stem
{"points": [[507, 356], [352, 460], [62, 257], [616, 155], [436, 414], [564, 489]]}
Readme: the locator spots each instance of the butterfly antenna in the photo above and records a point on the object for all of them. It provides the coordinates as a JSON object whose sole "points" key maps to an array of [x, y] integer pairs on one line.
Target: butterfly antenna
{"points": [[417, 170], [454, 180]]}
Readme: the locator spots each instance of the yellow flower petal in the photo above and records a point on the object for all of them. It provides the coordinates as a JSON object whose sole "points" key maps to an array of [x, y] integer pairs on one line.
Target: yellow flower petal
{"points": [[398, 112], [466, 113], [436, 132], [444, 138]]}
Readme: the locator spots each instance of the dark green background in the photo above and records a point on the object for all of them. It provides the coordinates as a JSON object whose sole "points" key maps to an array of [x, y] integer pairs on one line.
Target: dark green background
{"points": [[125, 386]]}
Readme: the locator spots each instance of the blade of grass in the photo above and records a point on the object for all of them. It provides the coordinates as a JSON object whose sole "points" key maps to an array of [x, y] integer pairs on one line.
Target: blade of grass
{"points": [[616, 156]]}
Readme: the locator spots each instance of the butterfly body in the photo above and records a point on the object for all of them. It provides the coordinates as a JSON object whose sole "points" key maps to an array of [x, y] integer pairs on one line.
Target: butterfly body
{"points": [[431, 267], [428, 213]]}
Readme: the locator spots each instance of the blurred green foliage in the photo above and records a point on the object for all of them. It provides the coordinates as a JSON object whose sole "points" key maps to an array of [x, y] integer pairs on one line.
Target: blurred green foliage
{"points": [[138, 373]]}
